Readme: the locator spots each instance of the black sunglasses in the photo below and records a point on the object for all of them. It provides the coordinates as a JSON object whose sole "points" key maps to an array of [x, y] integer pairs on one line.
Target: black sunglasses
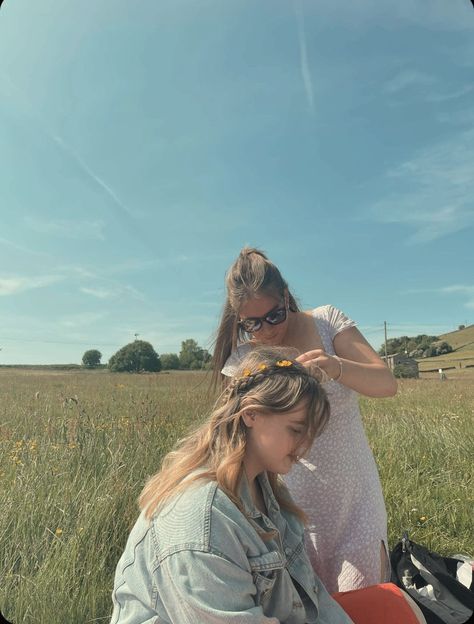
{"points": [[254, 323]]}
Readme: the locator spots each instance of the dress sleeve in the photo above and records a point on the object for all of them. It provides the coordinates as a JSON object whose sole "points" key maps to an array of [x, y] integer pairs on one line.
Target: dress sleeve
{"points": [[235, 358], [205, 587], [231, 365], [337, 321]]}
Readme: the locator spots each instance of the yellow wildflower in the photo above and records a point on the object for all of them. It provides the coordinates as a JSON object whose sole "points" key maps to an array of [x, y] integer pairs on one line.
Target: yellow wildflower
{"points": [[284, 363], [58, 532]]}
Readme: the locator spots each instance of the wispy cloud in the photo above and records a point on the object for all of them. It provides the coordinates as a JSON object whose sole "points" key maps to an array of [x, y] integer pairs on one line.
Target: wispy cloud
{"points": [[455, 289], [452, 95], [67, 228], [21, 248], [407, 78], [111, 293], [434, 191], [91, 174], [18, 284], [461, 289], [304, 62], [74, 321]]}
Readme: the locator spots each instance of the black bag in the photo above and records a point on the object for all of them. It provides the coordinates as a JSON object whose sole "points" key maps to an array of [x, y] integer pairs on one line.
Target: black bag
{"points": [[443, 587]]}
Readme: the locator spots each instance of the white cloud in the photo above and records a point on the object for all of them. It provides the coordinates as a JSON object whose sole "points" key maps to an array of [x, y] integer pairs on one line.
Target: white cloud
{"points": [[455, 289], [111, 292], [452, 95], [100, 293], [407, 78], [467, 291], [74, 321], [67, 228], [14, 285], [436, 15], [434, 191]]}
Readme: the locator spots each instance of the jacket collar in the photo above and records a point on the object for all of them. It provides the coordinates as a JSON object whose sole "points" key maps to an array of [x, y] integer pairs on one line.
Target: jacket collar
{"points": [[269, 498]]}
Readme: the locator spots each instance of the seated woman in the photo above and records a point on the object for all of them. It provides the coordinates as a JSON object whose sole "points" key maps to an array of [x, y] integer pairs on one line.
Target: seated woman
{"points": [[219, 539]]}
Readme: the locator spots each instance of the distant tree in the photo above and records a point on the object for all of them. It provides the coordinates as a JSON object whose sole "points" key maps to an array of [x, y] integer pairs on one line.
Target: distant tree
{"points": [[91, 358], [192, 356], [461, 327], [417, 346], [135, 357], [443, 347], [169, 361]]}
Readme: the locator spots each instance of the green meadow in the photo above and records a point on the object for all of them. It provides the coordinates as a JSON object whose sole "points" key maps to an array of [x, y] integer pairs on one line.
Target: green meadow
{"points": [[76, 448]]}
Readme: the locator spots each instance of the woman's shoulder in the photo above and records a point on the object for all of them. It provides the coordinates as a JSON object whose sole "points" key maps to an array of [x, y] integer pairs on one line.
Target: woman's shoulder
{"points": [[335, 320]]}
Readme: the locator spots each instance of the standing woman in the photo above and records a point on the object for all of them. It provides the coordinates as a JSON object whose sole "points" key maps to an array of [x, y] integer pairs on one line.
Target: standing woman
{"points": [[337, 483]]}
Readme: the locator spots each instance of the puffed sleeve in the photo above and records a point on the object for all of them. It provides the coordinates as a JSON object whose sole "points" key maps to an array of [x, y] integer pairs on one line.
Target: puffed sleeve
{"points": [[197, 587], [337, 321], [232, 363]]}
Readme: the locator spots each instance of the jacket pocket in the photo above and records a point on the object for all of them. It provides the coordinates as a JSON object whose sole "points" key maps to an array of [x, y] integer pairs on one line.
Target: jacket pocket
{"points": [[265, 569], [264, 582]]}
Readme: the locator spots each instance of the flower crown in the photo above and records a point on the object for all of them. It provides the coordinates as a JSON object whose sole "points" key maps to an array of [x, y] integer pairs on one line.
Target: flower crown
{"points": [[266, 367], [250, 377]]}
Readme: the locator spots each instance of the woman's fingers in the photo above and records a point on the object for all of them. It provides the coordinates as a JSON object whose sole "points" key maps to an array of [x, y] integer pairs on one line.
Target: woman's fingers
{"points": [[310, 355]]}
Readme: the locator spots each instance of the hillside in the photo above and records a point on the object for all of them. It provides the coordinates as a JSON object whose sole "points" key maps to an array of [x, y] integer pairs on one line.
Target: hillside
{"points": [[462, 341]]}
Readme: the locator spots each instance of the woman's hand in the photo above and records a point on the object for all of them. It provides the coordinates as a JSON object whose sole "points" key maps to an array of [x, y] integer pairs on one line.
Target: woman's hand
{"points": [[319, 360], [356, 365]]}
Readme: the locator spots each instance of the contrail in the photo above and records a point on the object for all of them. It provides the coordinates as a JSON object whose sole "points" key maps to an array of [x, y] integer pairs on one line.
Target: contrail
{"points": [[304, 63], [110, 192], [128, 215]]}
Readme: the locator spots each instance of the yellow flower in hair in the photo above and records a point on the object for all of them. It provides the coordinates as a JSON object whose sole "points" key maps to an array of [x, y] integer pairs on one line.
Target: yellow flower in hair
{"points": [[246, 372], [262, 367], [284, 363]]}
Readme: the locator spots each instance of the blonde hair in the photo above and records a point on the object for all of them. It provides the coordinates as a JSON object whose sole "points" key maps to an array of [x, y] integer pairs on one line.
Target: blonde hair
{"points": [[267, 381], [251, 275]]}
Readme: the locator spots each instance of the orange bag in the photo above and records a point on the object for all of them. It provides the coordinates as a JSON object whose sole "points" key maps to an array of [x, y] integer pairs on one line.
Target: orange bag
{"points": [[380, 604]]}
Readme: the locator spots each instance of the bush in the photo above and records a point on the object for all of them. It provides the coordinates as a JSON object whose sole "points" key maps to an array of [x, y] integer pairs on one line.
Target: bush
{"points": [[403, 371], [135, 357]]}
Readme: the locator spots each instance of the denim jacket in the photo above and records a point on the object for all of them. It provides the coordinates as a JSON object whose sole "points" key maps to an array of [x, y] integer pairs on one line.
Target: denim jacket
{"points": [[201, 560]]}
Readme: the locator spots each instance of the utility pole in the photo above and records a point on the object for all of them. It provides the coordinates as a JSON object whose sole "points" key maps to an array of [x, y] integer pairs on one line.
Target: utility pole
{"points": [[385, 330]]}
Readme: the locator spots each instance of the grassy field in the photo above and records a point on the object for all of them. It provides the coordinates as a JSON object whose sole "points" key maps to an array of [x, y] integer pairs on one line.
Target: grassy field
{"points": [[76, 448]]}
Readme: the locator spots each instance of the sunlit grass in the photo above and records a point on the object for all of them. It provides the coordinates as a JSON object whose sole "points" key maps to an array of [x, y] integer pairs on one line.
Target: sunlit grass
{"points": [[76, 448]]}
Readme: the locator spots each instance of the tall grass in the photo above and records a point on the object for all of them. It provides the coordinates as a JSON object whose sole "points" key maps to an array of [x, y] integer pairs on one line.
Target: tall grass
{"points": [[77, 447]]}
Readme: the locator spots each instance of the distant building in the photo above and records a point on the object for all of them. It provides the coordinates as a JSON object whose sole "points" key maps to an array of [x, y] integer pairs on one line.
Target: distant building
{"points": [[401, 359]]}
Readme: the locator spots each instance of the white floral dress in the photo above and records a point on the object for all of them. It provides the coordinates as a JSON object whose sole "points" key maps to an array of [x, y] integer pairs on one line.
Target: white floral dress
{"points": [[337, 483]]}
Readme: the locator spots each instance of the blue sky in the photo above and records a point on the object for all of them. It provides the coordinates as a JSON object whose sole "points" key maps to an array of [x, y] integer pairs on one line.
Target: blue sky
{"points": [[143, 144]]}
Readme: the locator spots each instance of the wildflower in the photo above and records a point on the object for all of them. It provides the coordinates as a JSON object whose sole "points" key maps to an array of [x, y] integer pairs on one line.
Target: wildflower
{"points": [[262, 367], [423, 518], [246, 372], [58, 532], [284, 363]]}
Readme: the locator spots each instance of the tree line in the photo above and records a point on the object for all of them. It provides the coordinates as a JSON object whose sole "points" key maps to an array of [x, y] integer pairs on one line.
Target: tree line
{"points": [[420, 346], [140, 356]]}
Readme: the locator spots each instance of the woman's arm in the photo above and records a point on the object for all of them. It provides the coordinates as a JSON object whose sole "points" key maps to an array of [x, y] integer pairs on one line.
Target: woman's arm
{"points": [[356, 365]]}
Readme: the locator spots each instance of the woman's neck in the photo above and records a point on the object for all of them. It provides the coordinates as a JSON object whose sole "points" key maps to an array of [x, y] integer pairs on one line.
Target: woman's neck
{"points": [[255, 489]]}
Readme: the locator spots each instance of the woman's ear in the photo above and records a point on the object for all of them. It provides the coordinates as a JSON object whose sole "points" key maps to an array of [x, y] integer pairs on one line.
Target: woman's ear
{"points": [[248, 416]]}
